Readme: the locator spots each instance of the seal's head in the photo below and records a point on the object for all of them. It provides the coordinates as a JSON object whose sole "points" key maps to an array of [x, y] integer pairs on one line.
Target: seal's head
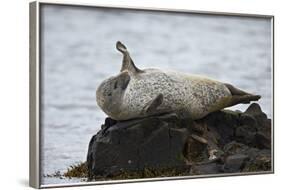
{"points": [[110, 93]]}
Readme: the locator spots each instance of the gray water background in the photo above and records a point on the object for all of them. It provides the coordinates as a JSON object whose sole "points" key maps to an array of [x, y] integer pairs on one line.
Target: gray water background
{"points": [[78, 52]]}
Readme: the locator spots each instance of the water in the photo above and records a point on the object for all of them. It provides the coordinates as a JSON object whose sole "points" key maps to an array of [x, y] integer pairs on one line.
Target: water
{"points": [[78, 52]]}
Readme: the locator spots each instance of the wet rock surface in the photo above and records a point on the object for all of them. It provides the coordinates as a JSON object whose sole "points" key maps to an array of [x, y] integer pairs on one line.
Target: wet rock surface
{"points": [[222, 142]]}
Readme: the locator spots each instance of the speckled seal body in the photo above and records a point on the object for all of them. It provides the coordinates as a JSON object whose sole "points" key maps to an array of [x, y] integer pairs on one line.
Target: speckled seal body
{"points": [[136, 93], [188, 95]]}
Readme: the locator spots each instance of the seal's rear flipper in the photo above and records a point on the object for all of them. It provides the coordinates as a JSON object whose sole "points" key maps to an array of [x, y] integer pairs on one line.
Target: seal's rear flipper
{"points": [[235, 91], [128, 63], [244, 99], [240, 96], [154, 104]]}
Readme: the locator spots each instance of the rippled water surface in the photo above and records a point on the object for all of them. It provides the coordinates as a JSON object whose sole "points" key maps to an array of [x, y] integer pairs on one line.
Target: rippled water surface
{"points": [[78, 52]]}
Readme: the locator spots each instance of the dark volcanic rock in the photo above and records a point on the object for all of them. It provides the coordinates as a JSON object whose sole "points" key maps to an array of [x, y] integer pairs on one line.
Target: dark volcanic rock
{"points": [[222, 142], [206, 168], [136, 145], [234, 162]]}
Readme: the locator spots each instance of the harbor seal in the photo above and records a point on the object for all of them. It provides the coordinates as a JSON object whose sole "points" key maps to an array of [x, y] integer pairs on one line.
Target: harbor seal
{"points": [[136, 93]]}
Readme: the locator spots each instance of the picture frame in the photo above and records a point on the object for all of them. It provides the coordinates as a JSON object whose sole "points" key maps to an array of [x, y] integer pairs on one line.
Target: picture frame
{"points": [[36, 91]]}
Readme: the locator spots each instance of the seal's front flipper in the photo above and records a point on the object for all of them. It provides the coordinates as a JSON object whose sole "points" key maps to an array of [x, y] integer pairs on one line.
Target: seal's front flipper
{"points": [[121, 47], [128, 63], [152, 105], [123, 81]]}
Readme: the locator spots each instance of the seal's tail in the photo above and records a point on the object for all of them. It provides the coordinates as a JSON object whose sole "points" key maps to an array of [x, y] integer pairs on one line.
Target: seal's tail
{"points": [[240, 96]]}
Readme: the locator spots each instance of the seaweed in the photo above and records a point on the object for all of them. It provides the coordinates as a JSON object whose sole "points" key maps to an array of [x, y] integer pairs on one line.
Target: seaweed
{"points": [[79, 170]]}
